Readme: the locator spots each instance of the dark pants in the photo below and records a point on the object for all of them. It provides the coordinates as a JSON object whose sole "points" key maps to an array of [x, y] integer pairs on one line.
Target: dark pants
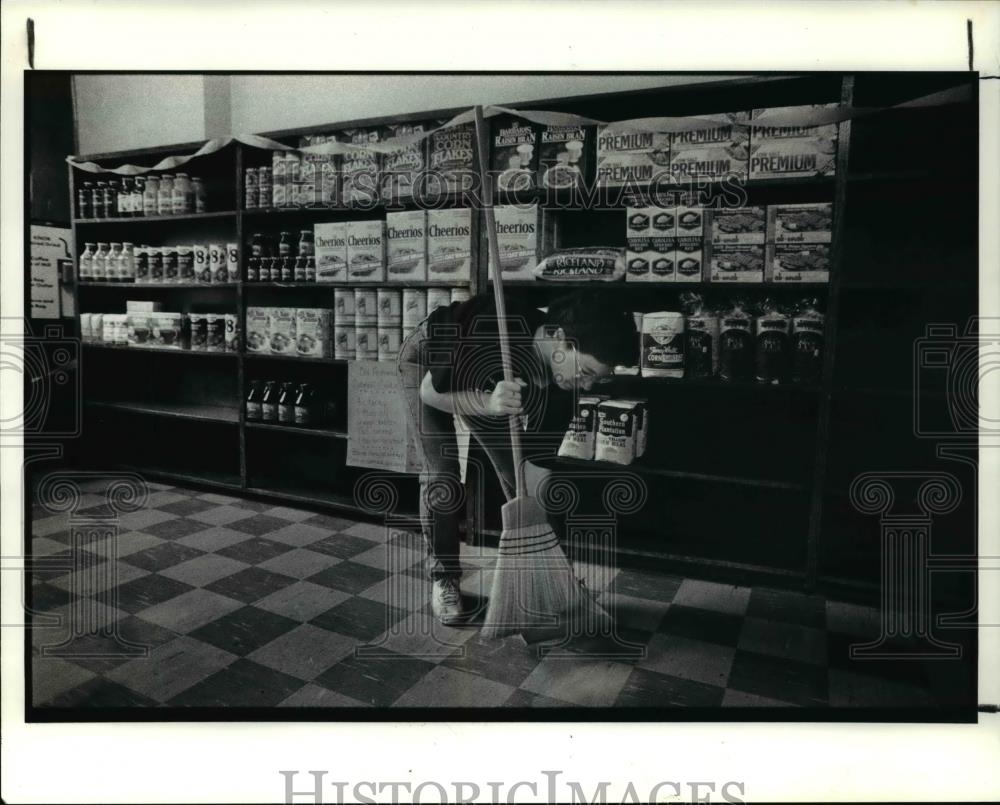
{"points": [[442, 498]]}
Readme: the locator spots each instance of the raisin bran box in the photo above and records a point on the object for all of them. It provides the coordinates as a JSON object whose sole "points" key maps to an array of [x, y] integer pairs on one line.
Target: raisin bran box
{"points": [[563, 157], [716, 147], [798, 262], [514, 153], [780, 149], [631, 156], [800, 223]]}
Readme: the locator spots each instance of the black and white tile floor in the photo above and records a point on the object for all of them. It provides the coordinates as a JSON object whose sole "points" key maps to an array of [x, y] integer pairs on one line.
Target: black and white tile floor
{"points": [[246, 604]]}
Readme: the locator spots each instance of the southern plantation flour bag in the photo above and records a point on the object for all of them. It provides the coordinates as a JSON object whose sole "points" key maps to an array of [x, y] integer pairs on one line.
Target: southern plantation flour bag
{"points": [[616, 432], [582, 431]]}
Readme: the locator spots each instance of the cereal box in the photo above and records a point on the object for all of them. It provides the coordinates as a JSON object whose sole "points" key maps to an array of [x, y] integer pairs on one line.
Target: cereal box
{"points": [[406, 245], [366, 251], [800, 223], [401, 169], [563, 156], [258, 329], [736, 262], [582, 431], [167, 330], [449, 245], [281, 330], [629, 155], [139, 326], [313, 329], [783, 148], [359, 169], [330, 242], [517, 240], [662, 345], [514, 153], [713, 148], [798, 262], [616, 435], [450, 159], [738, 225]]}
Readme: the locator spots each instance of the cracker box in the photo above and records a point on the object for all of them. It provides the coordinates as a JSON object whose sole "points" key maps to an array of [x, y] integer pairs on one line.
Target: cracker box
{"points": [[738, 262], [582, 431], [662, 344], [514, 153], [449, 245], [139, 326], [627, 155], [401, 169], [616, 435], [800, 223], [798, 262], [359, 169], [738, 225], [167, 330], [330, 243], [563, 158], [366, 251], [281, 330], [451, 159], [714, 148], [517, 240], [258, 329], [313, 330], [406, 249], [784, 147]]}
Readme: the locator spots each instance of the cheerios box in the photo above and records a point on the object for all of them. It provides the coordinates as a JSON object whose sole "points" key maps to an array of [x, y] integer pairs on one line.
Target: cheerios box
{"points": [[406, 250], [281, 330], [712, 147], [735, 262], [787, 141], [313, 328], [258, 329], [449, 245], [518, 228], [330, 241], [366, 251]]}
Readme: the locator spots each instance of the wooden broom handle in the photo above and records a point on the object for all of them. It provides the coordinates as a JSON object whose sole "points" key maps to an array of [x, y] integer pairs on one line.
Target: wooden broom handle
{"points": [[486, 188]]}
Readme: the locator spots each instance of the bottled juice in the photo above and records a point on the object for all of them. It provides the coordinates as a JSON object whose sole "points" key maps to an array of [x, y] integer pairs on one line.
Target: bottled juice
{"points": [[101, 263], [255, 411], [113, 263], [286, 403], [165, 195], [150, 196], [126, 265], [199, 194], [86, 264], [269, 402]]}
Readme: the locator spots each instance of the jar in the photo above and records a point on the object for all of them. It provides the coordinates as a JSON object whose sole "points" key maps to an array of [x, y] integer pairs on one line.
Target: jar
{"points": [[306, 248], [285, 244], [85, 201], [182, 196], [200, 194], [99, 203], [112, 266], [142, 264], [123, 202], [165, 195], [111, 199], [126, 265], [150, 195], [136, 202]]}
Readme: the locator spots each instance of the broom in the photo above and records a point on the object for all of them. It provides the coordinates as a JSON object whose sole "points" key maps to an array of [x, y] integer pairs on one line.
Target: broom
{"points": [[533, 582]]}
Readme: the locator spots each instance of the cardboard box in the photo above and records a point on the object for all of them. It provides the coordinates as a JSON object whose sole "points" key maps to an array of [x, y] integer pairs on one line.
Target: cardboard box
{"points": [[514, 153], [360, 169], [689, 222], [662, 345], [798, 262], [451, 159], [791, 150], [449, 245], [564, 156], [631, 156], [281, 330], [141, 306], [167, 330], [366, 251], [330, 241], [402, 168], [313, 331], [715, 149], [689, 259], [517, 239], [739, 262], [139, 326], [738, 225], [406, 249], [258, 329], [800, 223]]}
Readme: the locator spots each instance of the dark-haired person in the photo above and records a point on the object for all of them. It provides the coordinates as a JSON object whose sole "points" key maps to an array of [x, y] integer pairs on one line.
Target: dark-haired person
{"points": [[451, 367]]}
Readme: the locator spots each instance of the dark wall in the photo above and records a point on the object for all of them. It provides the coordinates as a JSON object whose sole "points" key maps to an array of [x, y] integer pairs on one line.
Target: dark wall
{"points": [[51, 137]]}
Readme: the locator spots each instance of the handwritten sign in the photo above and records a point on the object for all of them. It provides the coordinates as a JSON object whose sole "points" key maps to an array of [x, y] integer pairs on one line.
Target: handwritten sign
{"points": [[49, 245], [377, 420]]}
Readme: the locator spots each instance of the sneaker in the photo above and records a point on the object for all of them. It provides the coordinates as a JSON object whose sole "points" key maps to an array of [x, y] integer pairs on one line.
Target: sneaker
{"points": [[446, 601]]}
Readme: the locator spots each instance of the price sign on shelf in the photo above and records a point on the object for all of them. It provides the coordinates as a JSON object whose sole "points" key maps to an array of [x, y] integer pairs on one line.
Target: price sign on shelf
{"points": [[49, 245], [377, 422]]}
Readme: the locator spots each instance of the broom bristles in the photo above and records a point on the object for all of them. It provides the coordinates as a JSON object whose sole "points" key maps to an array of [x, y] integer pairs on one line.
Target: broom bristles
{"points": [[533, 584]]}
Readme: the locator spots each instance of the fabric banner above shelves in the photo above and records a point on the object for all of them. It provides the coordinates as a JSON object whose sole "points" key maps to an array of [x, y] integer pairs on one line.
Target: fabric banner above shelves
{"points": [[804, 116]]}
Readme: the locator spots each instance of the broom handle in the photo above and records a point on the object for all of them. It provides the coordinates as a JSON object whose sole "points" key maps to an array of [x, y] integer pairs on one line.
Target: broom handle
{"points": [[491, 234]]}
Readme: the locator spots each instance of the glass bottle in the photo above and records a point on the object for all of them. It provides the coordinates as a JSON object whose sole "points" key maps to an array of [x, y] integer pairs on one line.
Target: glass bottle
{"points": [[306, 248], [269, 402], [165, 195], [183, 195], [285, 244], [200, 194], [305, 405], [137, 194], [286, 403], [99, 204], [85, 201], [100, 270], [126, 265], [150, 195], [85, 269], [123, 202], [111, 199], [255, 411], [113, 263]]}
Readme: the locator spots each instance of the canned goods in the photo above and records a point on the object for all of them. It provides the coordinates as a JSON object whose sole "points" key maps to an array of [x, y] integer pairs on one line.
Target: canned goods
{"points": [[279, 179], [437, 297], [343, 306], [169, 264], [199, 332], [232, 262], [202, 267], [217, 262], [389, 339], [251, 189], [365, 306], [390, 305], [414, 307], [155, 259], [344, 347], [185, 264], [264, 187], [215, 332], [366, 342], [232, 332]]}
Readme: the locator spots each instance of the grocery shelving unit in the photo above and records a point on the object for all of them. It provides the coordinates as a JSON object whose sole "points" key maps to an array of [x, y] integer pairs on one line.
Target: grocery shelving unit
{"points": [[749, 481]]}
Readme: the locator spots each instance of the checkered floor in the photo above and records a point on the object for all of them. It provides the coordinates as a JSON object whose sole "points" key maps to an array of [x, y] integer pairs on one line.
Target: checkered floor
{"points": [[224, 602]]}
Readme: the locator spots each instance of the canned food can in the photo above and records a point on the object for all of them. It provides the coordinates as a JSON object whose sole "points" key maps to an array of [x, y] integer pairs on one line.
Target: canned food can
{"points": [[215, 332], [414, 307], [251, 189], [365, 307], [343, 342], [217, 262], [366, 342], [389, 339], [460, 295], [202, 267], [390, 313], [185, 264], [199, 332], [170, 264], [343, 307], [232, 332], [437, 297], [232, 262]]}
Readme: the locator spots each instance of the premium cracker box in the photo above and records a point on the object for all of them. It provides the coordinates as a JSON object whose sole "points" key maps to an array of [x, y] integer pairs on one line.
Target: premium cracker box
{"points": [[798, 262], [406, 252], [330, 241], [784, 147], [800, 223], [736, 262], [716, 147], [628, 156], [449, 245], [563, 158], [366, 251], [514, 153]]}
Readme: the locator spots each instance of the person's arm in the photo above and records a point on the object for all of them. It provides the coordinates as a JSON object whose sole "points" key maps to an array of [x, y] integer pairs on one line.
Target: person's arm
{"points": [[504, 400]]}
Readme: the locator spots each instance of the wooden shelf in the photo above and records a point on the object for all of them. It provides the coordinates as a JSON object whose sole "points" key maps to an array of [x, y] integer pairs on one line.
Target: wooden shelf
{"points": [[387, 285], [219, 480], [155, 219], [267, 356], [710, 383], [619, 285], [298, 429], [158, 350], [157, 286], [226, 414]]}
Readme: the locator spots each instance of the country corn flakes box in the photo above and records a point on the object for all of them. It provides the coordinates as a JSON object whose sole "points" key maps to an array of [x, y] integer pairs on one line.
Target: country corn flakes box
{"points": [[798, 262], [401, 169], [359, 168], [736, 262], [785, 143], [800, 223], [628, 155], [451, 159], [712, 147]]}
